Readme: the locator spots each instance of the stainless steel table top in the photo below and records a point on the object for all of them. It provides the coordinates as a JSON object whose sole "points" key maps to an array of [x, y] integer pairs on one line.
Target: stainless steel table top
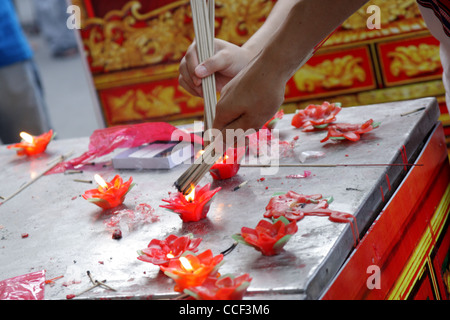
{"points": [[67, 234]]}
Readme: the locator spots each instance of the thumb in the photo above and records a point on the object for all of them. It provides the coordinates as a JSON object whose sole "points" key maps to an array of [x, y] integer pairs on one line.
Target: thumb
{"points": [[210, 66]]}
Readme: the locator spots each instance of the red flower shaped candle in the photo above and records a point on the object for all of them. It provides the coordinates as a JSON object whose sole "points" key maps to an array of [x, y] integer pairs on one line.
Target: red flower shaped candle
{"points": [[294, 206], [109, 194], [192, 270], [194, 206], [268, 238], [352, 132], [31, 145], [229, 165], [226, 287], [316, 116], [161, 252]]}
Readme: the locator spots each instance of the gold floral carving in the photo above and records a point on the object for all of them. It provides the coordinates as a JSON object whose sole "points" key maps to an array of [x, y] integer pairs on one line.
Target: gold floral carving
{"points": [[330, 74], [137, 105], [390, 11], [238, 20], [117, 44], [397, 17], [126, 38], [415, 60]]}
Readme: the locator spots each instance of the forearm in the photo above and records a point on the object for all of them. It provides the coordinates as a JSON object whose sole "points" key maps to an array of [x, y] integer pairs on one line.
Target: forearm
{"points": [[277, 15], [296, 27]]}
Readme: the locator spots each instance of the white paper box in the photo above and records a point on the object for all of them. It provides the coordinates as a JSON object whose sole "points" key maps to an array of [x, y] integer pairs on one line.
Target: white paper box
{"points": [[157, 155]]}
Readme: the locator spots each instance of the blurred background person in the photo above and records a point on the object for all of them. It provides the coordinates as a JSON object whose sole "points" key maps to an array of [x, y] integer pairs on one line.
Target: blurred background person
{"points": [[51, 18], [22, 105]]}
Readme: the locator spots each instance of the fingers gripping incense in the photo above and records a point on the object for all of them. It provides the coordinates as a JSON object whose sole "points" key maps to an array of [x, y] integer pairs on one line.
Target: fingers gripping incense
{"points": [[203, 17]]}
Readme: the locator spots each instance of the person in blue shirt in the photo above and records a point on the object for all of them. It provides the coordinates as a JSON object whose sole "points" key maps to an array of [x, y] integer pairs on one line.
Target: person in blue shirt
{"points": [[22, 106]]}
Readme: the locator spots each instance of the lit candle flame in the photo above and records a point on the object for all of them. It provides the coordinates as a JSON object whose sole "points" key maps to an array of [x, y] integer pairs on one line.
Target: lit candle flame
{"points": [[102, 183], [199, 154], [170, 255], [191, 196], [186, 264], [26, 137]]}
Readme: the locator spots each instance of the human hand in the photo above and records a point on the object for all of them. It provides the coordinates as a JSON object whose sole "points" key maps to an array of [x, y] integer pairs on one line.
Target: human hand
{"points": [[227, 61], [251, 98]]}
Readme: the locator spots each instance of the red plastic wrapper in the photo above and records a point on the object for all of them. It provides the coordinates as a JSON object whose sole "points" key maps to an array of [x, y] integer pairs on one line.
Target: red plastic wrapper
{"points": [[25, 287], [105, 141]]}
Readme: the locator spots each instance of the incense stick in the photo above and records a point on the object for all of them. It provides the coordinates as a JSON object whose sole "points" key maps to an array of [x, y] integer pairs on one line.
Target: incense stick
{"points": [[204, 22], [411, 112], [332, 165], [83, 181], [189, 179], [203, 18]]}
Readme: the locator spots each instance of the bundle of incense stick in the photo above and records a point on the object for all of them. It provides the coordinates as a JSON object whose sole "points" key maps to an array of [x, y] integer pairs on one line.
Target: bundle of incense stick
{"points": [[203, 18], [190, 178], [204, 27]]}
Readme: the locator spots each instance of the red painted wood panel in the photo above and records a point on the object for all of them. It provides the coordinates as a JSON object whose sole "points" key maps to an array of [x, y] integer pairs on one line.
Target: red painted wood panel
{"points": [[393, 236]]}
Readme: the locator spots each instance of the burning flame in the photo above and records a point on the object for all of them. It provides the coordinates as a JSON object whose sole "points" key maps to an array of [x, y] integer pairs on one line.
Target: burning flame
{"points": [[26, 137], [170, 255], [200, 153], [191, 196], [186, 264], [100, 181]]}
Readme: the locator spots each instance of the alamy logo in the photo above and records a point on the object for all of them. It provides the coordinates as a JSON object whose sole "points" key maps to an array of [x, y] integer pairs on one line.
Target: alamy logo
{"points": [[74, 20], [374, 21], [374, 280]]}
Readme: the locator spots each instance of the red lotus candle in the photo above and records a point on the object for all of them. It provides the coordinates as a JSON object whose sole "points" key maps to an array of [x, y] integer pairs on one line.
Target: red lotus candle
{"points": [[316, 116], [268, 238], [352, 132], [31, 145], [192, 270], [224, 288], [109, 194], [294, 206], [194, 206], [161, 252], [228, 166]]}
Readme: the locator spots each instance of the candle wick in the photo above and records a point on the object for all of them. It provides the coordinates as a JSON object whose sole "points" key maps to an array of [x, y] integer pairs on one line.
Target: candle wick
{"points": [[227, 251]]}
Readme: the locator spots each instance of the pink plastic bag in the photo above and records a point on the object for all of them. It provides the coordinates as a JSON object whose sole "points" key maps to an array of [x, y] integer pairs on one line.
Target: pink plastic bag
{"points": [[104, 141], [26, 287]]}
